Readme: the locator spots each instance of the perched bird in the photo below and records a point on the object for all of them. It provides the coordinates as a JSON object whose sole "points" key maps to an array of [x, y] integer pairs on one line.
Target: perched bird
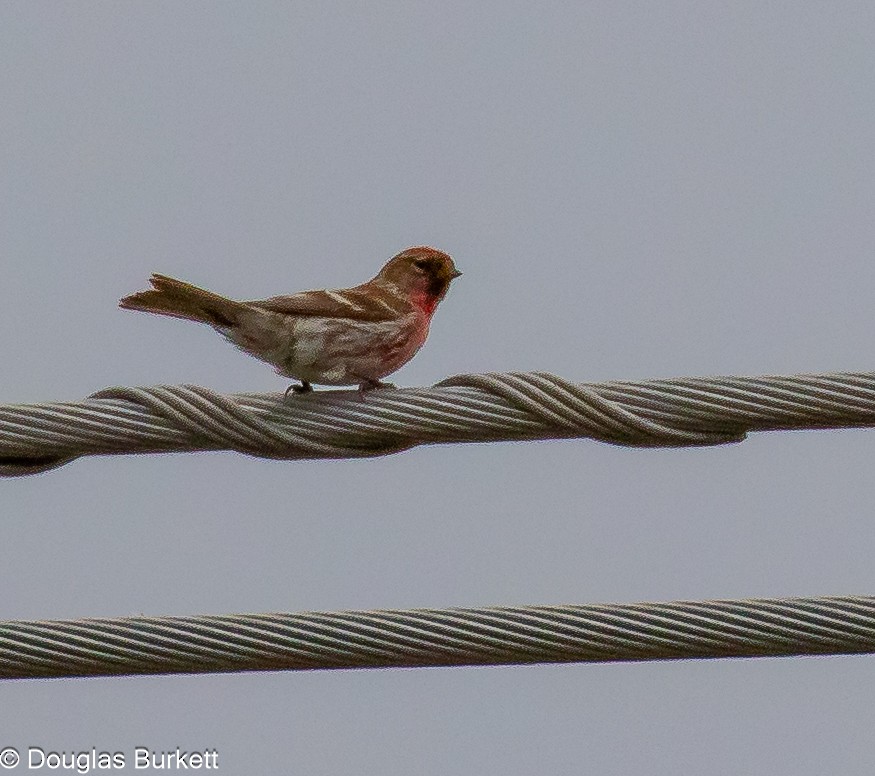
{"points": [[343, 337]]}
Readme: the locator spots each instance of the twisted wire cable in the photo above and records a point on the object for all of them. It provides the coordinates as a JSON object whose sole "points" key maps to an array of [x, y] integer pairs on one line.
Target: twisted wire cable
{"points": [[465, 408], [438, 637]]}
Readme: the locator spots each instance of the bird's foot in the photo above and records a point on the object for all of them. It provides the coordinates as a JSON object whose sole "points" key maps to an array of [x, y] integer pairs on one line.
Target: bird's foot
{"points": [[304, 387], [372, 385]]}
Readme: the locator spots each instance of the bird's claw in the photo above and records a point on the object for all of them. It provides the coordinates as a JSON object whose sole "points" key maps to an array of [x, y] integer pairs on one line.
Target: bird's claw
{"points": [[304, 387], [372, 385]]}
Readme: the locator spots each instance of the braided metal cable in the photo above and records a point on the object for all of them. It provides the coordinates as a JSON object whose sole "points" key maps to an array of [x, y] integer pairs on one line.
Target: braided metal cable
{"points": [[438, 637], [466, 408]]}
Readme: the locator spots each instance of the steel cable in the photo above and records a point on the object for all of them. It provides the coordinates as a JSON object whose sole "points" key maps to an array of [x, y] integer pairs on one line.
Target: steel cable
{"points": [[438, 637], [466, 408]]}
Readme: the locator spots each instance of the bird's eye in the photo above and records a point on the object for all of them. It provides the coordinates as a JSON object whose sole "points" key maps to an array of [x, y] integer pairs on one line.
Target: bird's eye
{"points": [[420, 263]]}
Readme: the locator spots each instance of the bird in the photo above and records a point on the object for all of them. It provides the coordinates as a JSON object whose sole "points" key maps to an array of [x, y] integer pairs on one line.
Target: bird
{"points": [[350, 336]]}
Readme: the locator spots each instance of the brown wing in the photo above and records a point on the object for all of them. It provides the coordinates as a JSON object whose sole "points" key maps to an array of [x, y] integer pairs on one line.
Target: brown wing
{"points": [[362, 303]]}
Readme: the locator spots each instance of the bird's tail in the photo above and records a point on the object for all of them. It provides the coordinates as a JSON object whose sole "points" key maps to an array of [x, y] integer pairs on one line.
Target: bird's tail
{"points": [[169, 296]]}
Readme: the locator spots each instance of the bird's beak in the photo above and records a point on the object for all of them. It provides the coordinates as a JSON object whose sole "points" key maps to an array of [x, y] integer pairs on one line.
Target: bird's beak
{"points": [[455, 274]]}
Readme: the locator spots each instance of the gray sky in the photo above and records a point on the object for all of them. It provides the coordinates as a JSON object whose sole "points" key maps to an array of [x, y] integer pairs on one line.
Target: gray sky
{"points": [[633, 190]]}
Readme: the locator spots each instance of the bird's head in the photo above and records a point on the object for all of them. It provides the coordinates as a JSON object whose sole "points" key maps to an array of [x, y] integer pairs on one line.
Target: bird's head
{"points": [[422, 273]]}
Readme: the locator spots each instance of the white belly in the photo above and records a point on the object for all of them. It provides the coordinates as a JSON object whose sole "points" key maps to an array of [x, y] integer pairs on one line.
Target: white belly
{"points": [[324, 352]]}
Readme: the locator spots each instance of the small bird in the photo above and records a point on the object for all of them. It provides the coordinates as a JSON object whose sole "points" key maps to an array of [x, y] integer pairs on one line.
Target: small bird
{"points": [[332, 337]]}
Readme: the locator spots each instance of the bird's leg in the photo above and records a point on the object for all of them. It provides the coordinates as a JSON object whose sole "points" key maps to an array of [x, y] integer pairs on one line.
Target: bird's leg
{"points": [[372, 385], [304, 387]]}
